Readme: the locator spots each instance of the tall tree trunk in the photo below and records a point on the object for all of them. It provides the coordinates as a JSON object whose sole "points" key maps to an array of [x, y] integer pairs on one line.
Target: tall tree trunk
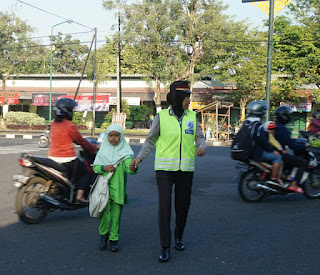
{"points": [[243, 103], [157, 95], [5, 106]]}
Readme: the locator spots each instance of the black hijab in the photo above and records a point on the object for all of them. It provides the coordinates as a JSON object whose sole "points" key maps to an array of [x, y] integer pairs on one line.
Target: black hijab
{"points": [[176, 96]]}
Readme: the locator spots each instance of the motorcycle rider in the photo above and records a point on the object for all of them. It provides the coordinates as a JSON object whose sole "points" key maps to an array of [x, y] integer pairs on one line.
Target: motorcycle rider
{"points": [[263, 150], [315, 124], [283, 135], [63, 134]]}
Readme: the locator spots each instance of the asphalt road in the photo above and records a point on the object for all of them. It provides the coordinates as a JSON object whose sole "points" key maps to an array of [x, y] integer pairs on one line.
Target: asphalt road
{"points": [[224, 235]]}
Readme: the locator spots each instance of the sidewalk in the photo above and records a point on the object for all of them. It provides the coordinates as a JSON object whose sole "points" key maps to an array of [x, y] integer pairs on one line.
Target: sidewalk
{"points": [[131, 138]]}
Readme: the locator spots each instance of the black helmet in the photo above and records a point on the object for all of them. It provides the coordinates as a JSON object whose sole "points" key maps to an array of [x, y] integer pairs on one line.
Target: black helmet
{"points": [[316, 114], [282, 114], [257, 108], [64, 107]]}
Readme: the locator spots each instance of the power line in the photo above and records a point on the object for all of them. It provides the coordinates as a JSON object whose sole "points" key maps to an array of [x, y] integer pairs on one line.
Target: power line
{"points": [[56, 15]]}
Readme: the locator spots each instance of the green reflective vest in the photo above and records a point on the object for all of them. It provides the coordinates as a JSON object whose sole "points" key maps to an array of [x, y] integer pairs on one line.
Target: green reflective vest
{"points": [[175, 147]]}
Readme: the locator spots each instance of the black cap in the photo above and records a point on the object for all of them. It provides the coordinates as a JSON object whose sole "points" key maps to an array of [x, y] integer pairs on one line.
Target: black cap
{"points": [[180, 85]]}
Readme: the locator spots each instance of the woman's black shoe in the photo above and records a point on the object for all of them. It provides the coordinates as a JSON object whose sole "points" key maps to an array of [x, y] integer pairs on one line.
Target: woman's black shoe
{"points": [[179, 244], [164, 255], [103, 242], [114, 246]]}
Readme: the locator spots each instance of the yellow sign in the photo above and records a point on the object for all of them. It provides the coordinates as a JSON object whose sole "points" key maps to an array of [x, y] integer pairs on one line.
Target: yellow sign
{"points": [[278, 6], [197, 105]]}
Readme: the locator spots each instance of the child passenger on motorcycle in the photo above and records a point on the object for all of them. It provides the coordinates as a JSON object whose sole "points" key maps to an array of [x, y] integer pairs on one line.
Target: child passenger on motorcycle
{"points": [[115, 155], [263, 150], [63, 134]]}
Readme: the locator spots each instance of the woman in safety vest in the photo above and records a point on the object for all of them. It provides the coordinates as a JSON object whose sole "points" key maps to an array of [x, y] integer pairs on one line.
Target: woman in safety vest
{"points": [[178, 138]]}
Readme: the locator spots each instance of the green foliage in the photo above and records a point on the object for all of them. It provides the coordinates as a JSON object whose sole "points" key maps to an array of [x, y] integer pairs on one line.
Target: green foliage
{"points": [[108, 119], [68, 55], [139, 112], [125, 108], [18, 51], [78, 118], [23, 118], [315, 143]]}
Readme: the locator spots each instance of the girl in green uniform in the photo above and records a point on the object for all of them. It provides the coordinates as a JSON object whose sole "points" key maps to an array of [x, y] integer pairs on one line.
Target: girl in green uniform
{"points": [[115, 156]]}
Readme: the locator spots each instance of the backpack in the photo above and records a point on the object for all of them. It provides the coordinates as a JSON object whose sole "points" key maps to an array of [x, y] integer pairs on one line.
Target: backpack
{"points": [[243, 142]]}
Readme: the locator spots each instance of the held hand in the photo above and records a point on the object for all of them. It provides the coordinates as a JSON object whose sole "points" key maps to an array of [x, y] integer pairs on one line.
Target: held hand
{"points": [[200, 152], [284, 152], [134, 164], [109, 168], [307, 144]]}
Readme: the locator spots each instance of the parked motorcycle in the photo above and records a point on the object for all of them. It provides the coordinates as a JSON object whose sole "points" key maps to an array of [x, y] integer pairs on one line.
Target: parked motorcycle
{"points": [[43, 186], [254, 181], [44, 139]]}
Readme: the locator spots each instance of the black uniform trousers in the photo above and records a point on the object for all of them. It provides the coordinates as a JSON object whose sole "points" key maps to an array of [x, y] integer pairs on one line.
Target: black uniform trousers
{"points": [[182, 191], [291, 161]]}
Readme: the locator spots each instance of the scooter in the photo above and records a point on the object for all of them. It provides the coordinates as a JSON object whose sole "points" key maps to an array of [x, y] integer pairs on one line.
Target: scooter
{"points": [[44, 186], [44, 139], [254, 182]]}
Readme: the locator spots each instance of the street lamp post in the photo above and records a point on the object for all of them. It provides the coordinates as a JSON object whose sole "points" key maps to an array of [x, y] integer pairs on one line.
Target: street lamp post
{"points": [[50, 97]]}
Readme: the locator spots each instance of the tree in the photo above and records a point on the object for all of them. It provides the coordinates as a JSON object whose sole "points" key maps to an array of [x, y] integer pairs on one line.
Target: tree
{"points": [[241, 60], [17, 48], [297, 57], [68, 55], [148, 27]]}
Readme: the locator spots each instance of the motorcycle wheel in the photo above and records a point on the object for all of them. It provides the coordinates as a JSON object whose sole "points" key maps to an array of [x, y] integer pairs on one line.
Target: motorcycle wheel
{"points": [[43, 143], [312, 185], [248, 189], [27, 201]]}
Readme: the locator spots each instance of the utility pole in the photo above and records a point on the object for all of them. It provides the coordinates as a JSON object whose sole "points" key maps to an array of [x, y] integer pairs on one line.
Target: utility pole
{"points": [[94, 84], [119, 107], [269, 58]]}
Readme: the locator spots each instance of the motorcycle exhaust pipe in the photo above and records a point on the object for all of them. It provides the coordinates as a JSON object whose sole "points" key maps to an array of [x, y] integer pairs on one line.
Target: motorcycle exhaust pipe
{"points": [[52, 201], [266, 188]]}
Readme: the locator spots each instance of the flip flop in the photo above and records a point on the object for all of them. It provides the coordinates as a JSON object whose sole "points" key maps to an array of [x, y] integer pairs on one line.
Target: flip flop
{"points": [[298, 190]]}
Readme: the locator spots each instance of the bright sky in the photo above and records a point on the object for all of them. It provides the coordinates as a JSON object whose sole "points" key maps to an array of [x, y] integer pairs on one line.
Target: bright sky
{"points": [[91, 14]]}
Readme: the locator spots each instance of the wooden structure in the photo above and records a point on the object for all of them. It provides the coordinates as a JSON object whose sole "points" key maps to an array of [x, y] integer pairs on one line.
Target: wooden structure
{"points": [[119, 118], [221, 121]]}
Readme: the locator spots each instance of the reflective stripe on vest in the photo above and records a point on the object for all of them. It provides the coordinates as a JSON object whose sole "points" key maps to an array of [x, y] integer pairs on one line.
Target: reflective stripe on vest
{"points": [[175, 149]]}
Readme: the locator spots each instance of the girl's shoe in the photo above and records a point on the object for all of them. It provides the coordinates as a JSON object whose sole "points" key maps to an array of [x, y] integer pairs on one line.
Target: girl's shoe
{"points": [[114, 246], [103, 242]]}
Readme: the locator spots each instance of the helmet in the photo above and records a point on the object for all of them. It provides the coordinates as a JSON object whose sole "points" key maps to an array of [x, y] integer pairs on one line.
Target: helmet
{"points": [[282, 114], [316, 114], [257, 108], [64, 107]]}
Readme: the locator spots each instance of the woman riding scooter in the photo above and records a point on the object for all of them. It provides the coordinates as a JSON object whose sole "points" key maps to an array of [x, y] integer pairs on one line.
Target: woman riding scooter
{"points": [[63, 135], [314, 126]]}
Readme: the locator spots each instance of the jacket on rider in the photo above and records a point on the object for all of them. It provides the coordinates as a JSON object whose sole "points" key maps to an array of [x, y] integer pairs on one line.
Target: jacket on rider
{"points": [[283, 135]]}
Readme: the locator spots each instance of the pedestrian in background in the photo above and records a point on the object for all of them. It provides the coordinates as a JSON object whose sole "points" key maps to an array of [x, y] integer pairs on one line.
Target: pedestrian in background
{"points": [[115, 155], [178, 138]]}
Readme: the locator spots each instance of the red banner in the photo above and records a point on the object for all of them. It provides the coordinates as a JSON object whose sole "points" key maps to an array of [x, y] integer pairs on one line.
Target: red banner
{"points": [[10, 100], [85, 103]]}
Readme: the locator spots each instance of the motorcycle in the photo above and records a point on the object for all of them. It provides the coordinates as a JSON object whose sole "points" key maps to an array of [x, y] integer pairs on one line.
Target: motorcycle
{"points": [[44, 139], [254, 181], [43, 186]]}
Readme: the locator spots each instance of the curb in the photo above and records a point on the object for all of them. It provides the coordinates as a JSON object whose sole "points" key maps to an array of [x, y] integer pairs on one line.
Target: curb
{"points": [[132, 140]]}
